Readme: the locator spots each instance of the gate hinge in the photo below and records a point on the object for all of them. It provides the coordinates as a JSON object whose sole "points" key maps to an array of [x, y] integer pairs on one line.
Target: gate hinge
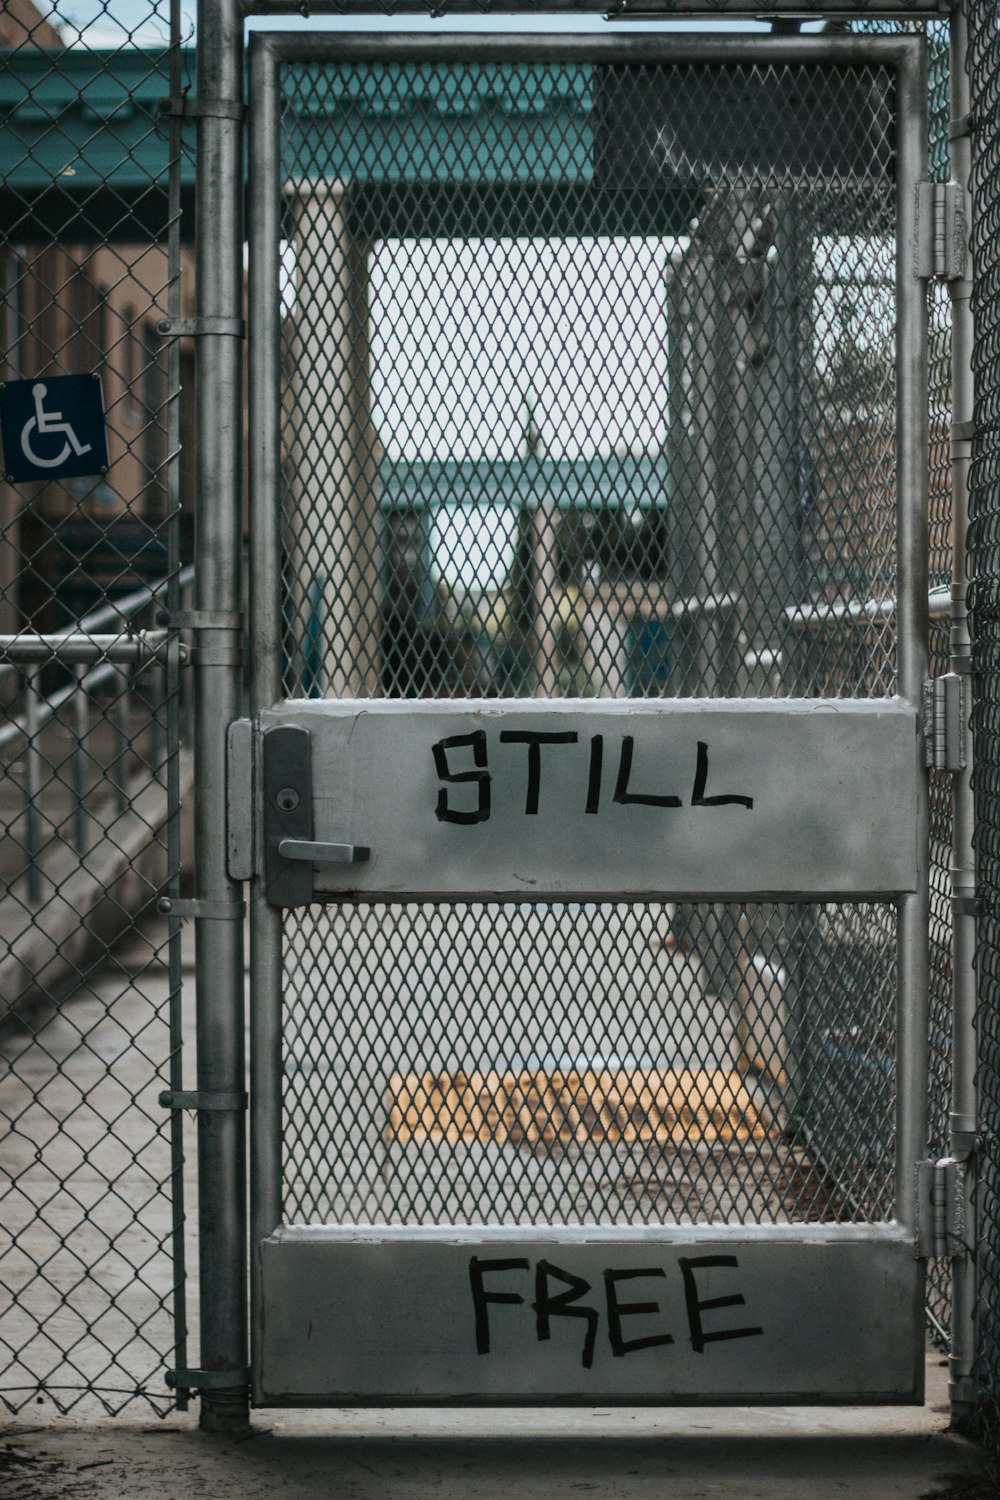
{"points": [[209, 1100], [208, 1380], [944, 722], [941, 1190], [202, 911], [941, 230], [186, 108], [194, 328]]}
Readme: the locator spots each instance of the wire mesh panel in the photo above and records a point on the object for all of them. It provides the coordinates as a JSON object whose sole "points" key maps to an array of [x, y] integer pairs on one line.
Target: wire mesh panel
{"points": [[940, 541], [92, 555], [586, 393], [984, 78], [567, 1064]]}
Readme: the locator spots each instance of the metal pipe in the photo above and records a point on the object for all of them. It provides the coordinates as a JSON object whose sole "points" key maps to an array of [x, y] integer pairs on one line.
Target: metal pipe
{"points": [[177, 584], [463, 47], [32, 786], [648, 12], [266, 953], [80, 727], [120, 721], [911, 612], [964, 1117], [218, 586], [138, 648]]}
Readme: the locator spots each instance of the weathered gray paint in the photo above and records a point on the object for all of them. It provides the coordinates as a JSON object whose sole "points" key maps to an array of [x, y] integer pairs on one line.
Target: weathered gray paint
{"points": [[343, 1319], [833, 786]]}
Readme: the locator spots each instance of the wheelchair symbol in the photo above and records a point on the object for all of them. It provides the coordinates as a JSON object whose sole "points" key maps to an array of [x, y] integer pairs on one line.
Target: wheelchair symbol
{"points": [[48, 424]]}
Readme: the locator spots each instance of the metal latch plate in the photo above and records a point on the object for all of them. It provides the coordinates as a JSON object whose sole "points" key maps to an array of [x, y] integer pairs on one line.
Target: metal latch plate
{"points": [[286, 755]]}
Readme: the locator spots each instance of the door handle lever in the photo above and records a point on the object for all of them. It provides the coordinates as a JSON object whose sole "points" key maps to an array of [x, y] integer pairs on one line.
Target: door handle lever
{"points": [[323, 854]]}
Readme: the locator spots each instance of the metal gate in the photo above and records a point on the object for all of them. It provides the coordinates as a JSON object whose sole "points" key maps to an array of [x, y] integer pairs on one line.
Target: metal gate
{"points": [[588, 408]]}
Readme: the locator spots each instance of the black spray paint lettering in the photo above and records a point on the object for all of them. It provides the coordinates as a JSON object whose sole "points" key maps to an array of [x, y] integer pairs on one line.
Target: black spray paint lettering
{"points": [[696, 1305], [563, 1305], [560, 1293], [477, 743], [624, 794], [535, 739]]}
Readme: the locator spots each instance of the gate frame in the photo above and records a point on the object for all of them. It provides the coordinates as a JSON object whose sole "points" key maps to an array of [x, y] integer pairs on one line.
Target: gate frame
{"points": [[268, 50]]}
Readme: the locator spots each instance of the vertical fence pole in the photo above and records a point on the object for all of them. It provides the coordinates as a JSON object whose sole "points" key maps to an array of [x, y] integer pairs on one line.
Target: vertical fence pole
{"points": [[218, 579], [80, 726], [265, 632], [912, 619], [120, 715], [32, 786], [963, 1123]]}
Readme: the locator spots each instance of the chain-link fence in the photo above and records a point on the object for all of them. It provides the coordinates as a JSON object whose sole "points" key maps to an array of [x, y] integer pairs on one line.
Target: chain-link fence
{"points": [[93, 553], [984, 72]]}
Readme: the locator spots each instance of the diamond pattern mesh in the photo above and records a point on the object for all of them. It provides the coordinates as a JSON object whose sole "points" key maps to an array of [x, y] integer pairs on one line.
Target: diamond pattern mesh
{"points": [[90, 260], [984, 76], [639, 439], [588, 393], [547, 1064]]}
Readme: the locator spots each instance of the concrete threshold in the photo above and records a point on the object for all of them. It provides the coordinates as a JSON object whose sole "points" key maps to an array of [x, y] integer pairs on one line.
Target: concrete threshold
{"points": [[781, 1453]]}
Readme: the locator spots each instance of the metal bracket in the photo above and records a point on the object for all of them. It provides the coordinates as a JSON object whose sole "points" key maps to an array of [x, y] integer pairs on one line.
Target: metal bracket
{"points": [[944, 722], [210, 1100], [202, 911], [193, 328], [942, 1193], [205, 619], [217, 653], [208, 1380], [941, 231], [212, 627], [203, 109]]}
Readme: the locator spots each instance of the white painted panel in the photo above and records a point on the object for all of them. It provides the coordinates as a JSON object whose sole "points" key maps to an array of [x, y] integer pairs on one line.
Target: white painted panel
{"points": [[679, 798]]}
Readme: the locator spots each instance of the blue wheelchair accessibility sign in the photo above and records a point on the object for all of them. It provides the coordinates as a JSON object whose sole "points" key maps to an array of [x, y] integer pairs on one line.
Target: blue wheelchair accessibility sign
{"points": [[53, 427]]}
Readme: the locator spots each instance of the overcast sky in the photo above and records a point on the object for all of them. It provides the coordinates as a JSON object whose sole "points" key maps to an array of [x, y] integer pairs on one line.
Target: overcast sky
{"points": [[113, 23]]}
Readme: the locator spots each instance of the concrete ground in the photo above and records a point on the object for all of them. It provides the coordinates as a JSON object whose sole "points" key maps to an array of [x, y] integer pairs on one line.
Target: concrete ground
{"points": [[782, 1453]]}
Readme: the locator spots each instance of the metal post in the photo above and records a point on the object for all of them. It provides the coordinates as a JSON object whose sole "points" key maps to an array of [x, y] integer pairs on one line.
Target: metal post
{"points": [[119, 719], [218, 570], [80, 726], [964, 1116], [266, 953], [32, 785], [911, 616], [172, 694]]}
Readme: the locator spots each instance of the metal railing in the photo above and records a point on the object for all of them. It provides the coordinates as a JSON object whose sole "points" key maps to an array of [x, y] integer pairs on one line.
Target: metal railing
{"points": [[100, 660]]}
